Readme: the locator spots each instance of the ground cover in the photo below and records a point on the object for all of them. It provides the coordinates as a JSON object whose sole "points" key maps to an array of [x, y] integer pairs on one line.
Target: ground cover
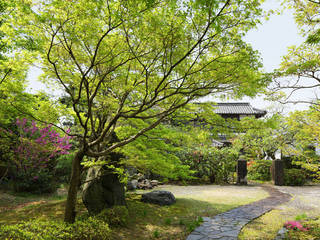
{"points": [[305, 202], [146, 221]]}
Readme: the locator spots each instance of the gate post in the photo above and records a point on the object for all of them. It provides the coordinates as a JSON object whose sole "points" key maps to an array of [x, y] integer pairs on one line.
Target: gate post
{"points": [[278, 172], [242, 171]]}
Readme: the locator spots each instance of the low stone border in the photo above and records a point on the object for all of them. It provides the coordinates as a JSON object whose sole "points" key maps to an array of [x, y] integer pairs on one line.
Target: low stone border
{"points": [[227, 225]]}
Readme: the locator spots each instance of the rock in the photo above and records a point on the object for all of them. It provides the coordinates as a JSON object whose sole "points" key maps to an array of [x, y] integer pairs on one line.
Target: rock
{"points": [[132, 185], [159, 197], [154, 183], [144, 184], [140, 177], [102, 190]]}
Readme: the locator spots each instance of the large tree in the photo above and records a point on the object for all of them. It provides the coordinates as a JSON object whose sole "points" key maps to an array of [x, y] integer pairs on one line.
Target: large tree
{"points": [[130, 64]]}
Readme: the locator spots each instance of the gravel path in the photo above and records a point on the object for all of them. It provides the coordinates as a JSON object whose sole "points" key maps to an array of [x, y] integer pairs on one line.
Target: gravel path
{"points": [[305, 199], [227, 225]]}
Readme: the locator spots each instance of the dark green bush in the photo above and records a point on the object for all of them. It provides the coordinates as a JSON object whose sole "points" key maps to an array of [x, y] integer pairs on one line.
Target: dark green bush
{"points": [[37, 181], [87, 229], [115, 216], [259, 170], [294, 177], [63, 168]]}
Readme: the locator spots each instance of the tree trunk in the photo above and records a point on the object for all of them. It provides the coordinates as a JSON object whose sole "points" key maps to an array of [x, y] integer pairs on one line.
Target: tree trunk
{"points": [[70, 210]]}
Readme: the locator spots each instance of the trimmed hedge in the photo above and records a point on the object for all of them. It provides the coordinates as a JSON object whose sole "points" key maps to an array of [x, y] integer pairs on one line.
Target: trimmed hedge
{"points": [[87, 229]]}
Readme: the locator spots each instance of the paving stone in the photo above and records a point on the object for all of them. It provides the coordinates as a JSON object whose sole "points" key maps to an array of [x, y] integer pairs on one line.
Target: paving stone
{"points": [[195, 237], [227, 226], [231, 234]]}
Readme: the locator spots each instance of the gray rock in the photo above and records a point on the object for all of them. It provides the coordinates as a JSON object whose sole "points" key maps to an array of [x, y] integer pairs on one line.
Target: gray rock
{"points": [[281, 234], [159, 197], [144, 184], [132, 185], [154, 183]]}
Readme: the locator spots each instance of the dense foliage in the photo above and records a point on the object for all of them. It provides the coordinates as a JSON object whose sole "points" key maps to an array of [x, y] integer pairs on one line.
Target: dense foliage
{"points": [[305, 131], [259, 170], [216, 165], [295, 177], [31, 154]]}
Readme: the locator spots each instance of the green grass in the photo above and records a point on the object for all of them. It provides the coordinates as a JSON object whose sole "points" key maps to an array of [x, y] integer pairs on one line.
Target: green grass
{"points": [[146, 221]]}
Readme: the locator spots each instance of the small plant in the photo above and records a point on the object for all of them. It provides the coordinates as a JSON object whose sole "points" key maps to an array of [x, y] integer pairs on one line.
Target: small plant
{"points": [[199, 220], [156, 234], [196, 223], [301, 217], [181, 222], [191, 227], [167, 221], [144, 213], [117, 215]]}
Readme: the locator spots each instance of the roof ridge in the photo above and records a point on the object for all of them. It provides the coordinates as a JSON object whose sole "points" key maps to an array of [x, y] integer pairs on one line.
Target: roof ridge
{"points": [[234, 103]]}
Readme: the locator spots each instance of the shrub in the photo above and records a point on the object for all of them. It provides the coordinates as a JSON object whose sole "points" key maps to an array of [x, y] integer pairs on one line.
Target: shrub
{"points": [[259, 170], [35, 157], [42, 181], [294, 177], [88, 229], [115, 216], [212, 163]]}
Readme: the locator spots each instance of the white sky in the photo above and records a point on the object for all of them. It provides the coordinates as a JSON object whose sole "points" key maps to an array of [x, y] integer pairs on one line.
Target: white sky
{"points": [[271, 39]]}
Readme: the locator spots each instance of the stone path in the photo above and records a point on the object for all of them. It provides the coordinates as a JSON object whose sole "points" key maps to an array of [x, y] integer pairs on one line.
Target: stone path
{"points": [[227, 225]]}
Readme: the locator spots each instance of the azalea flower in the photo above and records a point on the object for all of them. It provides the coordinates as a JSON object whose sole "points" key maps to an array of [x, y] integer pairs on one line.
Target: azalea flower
{"points": [[295, 225]]}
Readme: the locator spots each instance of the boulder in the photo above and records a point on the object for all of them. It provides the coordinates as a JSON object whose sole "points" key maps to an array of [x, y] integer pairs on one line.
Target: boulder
{"points": [[132, 185], [159, 197], [102, 190]]}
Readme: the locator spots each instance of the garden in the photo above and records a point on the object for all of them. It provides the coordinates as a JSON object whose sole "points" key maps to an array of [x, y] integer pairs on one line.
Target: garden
{"points": [[129, 108]]}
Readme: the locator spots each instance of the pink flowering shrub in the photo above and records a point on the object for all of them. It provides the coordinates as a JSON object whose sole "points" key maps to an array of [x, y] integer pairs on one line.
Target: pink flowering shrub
{"points": [[294, 225], [36, 153]]}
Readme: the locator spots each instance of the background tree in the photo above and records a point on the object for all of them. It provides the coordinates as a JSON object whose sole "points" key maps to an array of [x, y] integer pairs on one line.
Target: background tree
{"points": [[305, 129], [257, 137], [299, 69], [133, 63]]}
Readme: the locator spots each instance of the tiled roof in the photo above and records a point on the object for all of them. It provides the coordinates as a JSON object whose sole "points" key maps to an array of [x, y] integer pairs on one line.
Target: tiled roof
{"points": [[237, 108]]}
